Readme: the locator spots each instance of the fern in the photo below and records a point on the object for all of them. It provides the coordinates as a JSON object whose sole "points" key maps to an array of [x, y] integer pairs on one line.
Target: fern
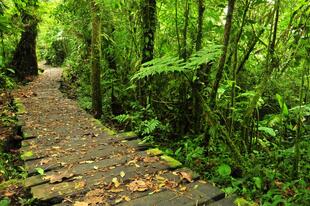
{"points": [[171, 64], [157, 66], [122, 118], [149, 126]]}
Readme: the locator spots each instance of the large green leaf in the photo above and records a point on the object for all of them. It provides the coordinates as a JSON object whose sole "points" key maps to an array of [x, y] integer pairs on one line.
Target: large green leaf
{"points": [[268, 131]]}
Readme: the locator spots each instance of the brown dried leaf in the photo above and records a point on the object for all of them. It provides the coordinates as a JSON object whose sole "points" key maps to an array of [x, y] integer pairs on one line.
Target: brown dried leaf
{"points": [[186, 176], [116, 190], [138, 185], [80, 185], [151, 159], [59, 177], [80, 203]]}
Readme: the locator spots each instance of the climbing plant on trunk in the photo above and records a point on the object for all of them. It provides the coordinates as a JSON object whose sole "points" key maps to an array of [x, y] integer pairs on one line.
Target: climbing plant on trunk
{"points": [[95, 60]]}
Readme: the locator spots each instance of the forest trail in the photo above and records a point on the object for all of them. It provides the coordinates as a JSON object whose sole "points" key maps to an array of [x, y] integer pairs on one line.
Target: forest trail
{"points": [[85, 163]]}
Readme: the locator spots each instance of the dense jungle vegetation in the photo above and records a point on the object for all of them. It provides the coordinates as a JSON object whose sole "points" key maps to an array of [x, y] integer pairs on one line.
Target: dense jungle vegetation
{"points": [[222, 86]]}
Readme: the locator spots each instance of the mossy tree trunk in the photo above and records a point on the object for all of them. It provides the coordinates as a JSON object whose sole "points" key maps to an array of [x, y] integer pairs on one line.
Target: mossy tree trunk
{"points": [[149, 19], [95, 60], [25, 58]]}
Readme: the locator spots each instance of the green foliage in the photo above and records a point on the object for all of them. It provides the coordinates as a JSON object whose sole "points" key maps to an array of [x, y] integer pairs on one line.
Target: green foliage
{"points": [[224, 170], [167, 64], [5, 202], [262, 106]]}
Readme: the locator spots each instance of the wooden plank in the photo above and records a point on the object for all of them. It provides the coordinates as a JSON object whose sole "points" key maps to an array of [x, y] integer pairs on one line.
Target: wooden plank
{"points": [[197, 193], [48, 192], [81, 169], [161, 180], [229, 201], [76, 152], [102, 152]]}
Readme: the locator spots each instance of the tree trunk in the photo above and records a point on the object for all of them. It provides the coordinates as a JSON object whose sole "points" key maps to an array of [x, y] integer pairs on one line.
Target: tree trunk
{"points": [[149, 19], [95, 60], [25, 58], [196, 85], [220, 71], [184, 52]]}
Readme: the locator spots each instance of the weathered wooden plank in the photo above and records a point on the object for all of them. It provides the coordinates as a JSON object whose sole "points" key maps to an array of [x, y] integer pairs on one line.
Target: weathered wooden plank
{"points": [[229, 201], [75, 157], [63, 153], [82, 168], [48, 192], [197, 193]]}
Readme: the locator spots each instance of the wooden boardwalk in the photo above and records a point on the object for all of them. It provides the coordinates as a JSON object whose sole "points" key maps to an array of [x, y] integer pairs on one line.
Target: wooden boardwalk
{"points": [[85, 163]]}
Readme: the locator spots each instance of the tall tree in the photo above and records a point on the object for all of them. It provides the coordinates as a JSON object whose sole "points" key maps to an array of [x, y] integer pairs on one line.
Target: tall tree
{"points": [[25, 58], [95, 60], [220, 70]]}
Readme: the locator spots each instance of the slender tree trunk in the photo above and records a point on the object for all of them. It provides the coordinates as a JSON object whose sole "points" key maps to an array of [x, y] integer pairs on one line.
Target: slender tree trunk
{"points": [[2, 43], [201, 10], [184, 52], [177, 27], [234, 69], [95, 60], [196, 86], [220, 71], [270, 63]]}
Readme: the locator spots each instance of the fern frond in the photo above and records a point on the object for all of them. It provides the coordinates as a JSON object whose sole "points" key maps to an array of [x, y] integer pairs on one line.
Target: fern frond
{"points": [[207, 54], [171, 64], [161, 65]]}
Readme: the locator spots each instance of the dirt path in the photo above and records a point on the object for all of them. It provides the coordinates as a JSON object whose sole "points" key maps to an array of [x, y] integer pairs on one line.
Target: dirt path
{"points": [[83, 163]]}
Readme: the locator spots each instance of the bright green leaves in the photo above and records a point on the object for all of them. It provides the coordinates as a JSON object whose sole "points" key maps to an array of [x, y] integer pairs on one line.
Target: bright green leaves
{"points": [[26, 155], [5, 202], [284, 109], [224, 170], [40, 171], [258, 182], [268, 131]]}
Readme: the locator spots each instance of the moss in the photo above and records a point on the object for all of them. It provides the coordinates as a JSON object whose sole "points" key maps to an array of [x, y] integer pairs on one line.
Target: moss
{"points": [[154, 152], [129, 134], [20, 106], [173, 163], [104, 128], [26, 155]]}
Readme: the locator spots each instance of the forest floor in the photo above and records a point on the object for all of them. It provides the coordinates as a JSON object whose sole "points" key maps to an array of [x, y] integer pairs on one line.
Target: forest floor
{"points": [[72, 159]]}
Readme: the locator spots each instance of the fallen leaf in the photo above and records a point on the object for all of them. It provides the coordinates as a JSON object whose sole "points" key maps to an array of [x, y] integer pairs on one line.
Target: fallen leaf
{"points": [[151, 159], [186, 176], [116, 190], [86, 162], [116, 182], [8, 194], [80, 185], [137, 185], [59, 177], [183, 188], [119, 200], [122, 174], [126, 198], [80, 204]]}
